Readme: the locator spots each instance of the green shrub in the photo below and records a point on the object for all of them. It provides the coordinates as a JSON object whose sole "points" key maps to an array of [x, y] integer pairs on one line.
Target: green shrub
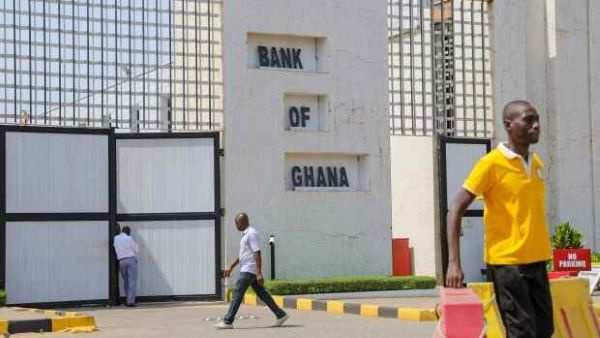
{"points": [[596, 257], [2, 297], [550, 265], [566, 237], [348, 284]]}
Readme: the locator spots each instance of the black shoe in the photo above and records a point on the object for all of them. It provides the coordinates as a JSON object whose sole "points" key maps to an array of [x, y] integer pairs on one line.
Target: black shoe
{"points": [[131, 305]]}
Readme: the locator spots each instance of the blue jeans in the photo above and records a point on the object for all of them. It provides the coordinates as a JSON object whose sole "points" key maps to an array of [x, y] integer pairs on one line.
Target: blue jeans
{"points": [[128, 268], [244, 281]]}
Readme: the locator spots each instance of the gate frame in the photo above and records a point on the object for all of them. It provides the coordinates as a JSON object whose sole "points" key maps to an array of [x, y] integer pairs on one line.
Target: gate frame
{"points": [[111, 216], [443, 190], [53, 216], [177, 216]]}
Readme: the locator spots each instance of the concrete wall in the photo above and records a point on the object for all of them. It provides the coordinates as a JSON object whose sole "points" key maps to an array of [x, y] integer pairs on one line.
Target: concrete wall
{"points": [[318, 233], [594, 76], [414, 196], [547, 51], [576, 144]]}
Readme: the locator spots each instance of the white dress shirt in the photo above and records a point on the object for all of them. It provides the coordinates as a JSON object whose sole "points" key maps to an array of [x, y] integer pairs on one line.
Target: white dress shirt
{"points": [[249, 244], [125, 246]]}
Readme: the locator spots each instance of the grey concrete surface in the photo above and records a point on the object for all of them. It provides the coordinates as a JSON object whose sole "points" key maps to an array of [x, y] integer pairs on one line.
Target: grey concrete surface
{"points": [[197, 320], [10, 313]]}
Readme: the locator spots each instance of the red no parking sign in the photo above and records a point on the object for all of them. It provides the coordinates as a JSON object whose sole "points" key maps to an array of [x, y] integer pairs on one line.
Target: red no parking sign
{"points": [[572, 260]]}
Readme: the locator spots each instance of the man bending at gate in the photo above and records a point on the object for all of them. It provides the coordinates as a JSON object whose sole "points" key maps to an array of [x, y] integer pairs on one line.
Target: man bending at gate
{"points": [[512, 182], [250, 275], [126, 250]]}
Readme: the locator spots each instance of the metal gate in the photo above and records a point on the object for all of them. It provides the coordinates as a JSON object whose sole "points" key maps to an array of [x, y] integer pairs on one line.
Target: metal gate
{"points": [[457, 156], [168, 193], [440, 70], [64, 190]]}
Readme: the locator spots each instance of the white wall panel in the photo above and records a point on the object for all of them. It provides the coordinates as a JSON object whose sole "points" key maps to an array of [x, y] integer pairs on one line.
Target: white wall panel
{"points": [[165, 175], [56, 261], [47, 172], [175, 257], [471, 249]]}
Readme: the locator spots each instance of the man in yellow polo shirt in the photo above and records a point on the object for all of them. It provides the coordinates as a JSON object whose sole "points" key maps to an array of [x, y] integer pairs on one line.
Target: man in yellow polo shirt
{"points": [[511, 181]]}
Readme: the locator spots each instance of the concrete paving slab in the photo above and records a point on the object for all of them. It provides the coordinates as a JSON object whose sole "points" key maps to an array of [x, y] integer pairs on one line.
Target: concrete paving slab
{"points": [[9, 313], [197, 320]]}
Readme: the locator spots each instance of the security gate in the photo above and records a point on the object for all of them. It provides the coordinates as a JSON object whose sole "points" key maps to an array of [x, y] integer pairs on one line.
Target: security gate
{"points": [[64, 190], [457, 156], [55, 214], [167, 192]]}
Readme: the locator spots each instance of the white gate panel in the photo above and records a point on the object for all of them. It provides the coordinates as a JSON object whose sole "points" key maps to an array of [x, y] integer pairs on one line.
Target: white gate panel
{"points": [[53, 172], [460, 159], [175, 257], [471, 248], [165, 175], [56, 261]]}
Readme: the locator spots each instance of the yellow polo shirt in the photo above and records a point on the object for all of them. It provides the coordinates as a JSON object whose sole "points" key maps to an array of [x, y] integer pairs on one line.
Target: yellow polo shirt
{"points": [[516, 231]]}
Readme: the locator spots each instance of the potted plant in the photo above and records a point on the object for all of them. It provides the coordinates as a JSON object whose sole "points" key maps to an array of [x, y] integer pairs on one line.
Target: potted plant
{"points": [[568, 253]]}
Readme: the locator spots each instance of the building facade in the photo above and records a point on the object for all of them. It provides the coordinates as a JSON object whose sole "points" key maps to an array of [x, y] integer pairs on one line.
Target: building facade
{"points": [[330, 112], [306, 139]]}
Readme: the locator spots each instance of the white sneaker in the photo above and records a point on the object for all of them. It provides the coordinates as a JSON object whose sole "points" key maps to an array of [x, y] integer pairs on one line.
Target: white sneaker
{"points": [[223, 325], [281, 320]]}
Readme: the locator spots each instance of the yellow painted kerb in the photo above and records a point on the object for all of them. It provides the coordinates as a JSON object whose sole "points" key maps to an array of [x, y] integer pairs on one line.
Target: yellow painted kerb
{"points": [[335, 306], [278, 300], [428, 315], [417, 314], [368, 310], [3, 326], [70, 323], [304, 304], [409, 314], [250, 299]]}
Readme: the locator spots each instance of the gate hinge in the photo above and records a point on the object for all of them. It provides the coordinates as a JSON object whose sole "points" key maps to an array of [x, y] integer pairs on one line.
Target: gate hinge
{"points": [[221, 152], [222, 212]]}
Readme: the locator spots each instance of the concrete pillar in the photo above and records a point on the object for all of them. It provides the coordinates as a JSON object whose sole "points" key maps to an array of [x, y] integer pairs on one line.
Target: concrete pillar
{"points": [[520, 62], [319, 233], [594, 76], [547, 52], [574, 117]]}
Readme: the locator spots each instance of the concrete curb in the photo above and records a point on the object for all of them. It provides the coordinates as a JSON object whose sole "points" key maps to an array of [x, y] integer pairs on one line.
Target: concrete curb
{"points": [[59, 321], [335, 306]]}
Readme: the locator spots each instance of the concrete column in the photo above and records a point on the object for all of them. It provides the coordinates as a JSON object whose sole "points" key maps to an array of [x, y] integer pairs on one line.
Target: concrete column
{"points": [[573, 97], [520, 62], [547, 52], [522, 69], [594, 75], [319, 233]]}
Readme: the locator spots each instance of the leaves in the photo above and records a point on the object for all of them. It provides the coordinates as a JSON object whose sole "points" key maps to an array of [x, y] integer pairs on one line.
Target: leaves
{"points": [[566, 237], [348, 284]]}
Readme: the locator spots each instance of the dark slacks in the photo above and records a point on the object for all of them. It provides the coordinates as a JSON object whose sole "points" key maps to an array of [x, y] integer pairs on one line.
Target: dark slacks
{"points": [[523, 296], [245, 281]]}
